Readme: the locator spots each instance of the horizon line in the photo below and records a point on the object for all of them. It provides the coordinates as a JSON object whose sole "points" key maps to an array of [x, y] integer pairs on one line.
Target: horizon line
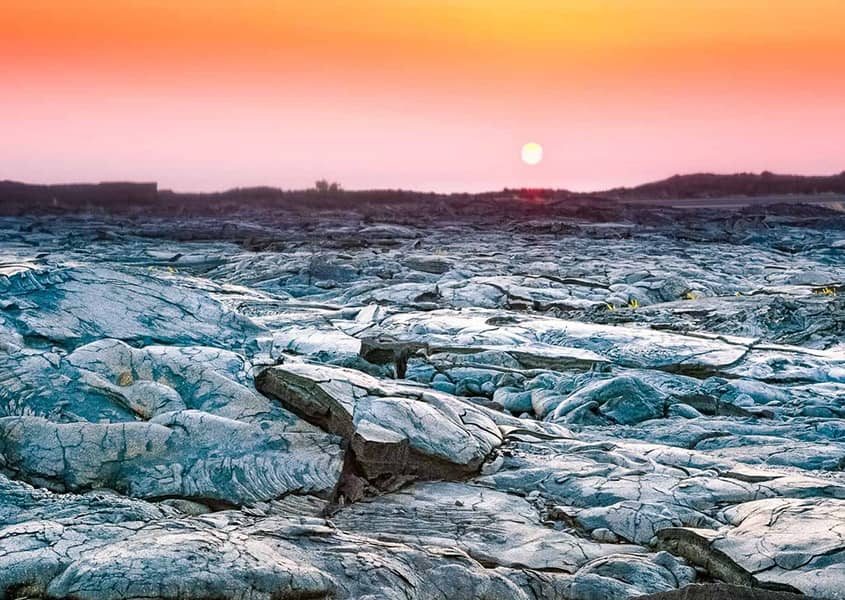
{"points": [[341, 189]]}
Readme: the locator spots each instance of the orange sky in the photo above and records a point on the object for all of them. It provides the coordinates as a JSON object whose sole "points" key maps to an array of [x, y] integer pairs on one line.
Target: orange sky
{"points": [[429, 94]]}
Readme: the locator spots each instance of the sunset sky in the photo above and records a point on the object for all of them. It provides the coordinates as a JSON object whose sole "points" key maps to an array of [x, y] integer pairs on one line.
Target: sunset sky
{"points": [[423, 94]]}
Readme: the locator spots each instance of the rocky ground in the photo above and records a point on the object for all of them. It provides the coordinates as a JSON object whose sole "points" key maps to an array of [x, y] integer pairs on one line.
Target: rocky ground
{"points": [[272, 408]]}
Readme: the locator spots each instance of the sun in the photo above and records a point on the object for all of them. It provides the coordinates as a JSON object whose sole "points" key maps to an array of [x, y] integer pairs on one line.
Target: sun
{"points": [[532, 153]]}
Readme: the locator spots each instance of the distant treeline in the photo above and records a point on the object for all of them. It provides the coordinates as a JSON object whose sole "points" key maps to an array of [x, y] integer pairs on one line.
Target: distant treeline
{"points": [[126, 197]]}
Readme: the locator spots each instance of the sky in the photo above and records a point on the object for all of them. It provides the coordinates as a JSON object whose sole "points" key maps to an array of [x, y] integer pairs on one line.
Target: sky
{"points": [[441, 95]]}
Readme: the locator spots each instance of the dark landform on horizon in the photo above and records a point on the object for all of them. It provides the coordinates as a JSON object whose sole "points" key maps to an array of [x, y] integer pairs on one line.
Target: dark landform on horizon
{"points": [[682, 191]]}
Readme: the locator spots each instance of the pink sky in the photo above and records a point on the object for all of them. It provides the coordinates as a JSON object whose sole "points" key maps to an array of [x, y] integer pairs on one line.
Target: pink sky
{"points": [[424, 94]]}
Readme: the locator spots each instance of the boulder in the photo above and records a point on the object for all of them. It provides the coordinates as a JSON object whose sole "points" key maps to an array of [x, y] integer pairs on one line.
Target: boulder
{"points": [[391, 429]]}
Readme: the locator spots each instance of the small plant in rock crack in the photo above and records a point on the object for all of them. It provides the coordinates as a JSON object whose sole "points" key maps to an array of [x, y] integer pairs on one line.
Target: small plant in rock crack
{"points": [[609, 306], [633, 304], [690, 295], [825, 291]]}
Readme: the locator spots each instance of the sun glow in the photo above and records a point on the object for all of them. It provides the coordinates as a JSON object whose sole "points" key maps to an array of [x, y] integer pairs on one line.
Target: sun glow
{"points": [[532, 153]]}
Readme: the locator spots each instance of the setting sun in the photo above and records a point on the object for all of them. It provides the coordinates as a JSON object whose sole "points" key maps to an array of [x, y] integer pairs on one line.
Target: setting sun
{"points": [[532, 153]]}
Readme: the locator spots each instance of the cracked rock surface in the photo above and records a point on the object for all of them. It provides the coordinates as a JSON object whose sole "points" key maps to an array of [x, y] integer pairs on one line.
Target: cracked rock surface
{"points": [[420, 407]]}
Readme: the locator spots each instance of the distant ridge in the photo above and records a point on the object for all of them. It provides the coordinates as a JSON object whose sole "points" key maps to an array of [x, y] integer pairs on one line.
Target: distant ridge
{"points": [[710, 185]]}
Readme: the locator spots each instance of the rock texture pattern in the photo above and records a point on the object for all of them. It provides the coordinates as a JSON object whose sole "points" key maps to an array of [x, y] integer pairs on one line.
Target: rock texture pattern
{"points": [[281, 407]]}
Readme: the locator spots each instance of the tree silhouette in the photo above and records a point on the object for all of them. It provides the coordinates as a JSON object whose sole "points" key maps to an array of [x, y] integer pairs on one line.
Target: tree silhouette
{"points": [[324, 187]]}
